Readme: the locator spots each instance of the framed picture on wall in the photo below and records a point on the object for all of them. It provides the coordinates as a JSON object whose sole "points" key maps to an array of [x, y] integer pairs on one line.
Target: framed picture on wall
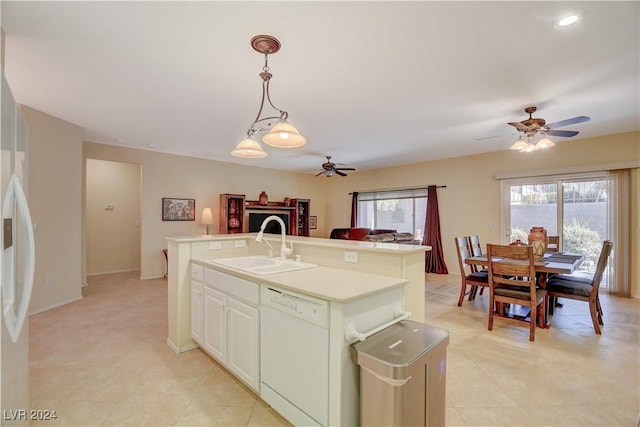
{"points": [[313, 222], [178, 209]]}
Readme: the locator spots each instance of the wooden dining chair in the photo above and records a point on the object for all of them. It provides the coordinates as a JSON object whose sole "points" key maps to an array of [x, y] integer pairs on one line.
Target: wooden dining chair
{"points": [[476, 250], [512, 280], [554, 244], [582, 288], [476, 247], [471, 279]]}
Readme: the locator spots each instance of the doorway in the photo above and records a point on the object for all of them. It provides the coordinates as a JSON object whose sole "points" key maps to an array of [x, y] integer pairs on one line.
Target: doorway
{"points": [[112, 216]]}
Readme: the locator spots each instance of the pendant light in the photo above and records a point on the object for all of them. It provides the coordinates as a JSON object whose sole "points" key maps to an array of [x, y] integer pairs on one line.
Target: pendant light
{"points": [[282, 134]]}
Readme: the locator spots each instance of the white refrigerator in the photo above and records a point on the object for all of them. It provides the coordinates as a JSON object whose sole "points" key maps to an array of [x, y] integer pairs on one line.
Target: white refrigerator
{"points": [[17, 261]]}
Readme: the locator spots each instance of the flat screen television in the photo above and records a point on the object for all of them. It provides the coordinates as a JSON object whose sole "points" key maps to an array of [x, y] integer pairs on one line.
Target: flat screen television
{"points": [[273, 227]]}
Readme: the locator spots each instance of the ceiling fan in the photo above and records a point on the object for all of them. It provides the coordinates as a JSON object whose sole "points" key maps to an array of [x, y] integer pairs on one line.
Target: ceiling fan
{"points": [[533, 125], [330, 169]]}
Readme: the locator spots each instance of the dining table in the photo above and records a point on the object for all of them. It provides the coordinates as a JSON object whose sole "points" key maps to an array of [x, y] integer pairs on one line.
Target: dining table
{"points": [[549, 263]]}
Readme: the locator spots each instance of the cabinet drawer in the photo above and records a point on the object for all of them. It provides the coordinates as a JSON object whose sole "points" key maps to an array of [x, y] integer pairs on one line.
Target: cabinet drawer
{"points": [[231, 285], [197, 272]]}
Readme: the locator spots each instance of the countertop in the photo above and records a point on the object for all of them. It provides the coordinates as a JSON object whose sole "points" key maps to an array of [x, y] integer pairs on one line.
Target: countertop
{"points": [[310, 241], [327, 283]]}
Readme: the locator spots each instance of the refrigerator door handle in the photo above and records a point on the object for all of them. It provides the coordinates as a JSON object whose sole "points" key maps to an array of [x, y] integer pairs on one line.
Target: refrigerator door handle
{"points": [[15, 200]]}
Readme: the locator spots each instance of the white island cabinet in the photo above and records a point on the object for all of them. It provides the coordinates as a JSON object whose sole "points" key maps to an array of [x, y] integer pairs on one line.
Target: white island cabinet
{"points": [[284, 334], [229, 321]]}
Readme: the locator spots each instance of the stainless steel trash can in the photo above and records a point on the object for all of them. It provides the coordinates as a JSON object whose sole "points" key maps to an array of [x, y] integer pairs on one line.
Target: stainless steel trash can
{"points": [[403, 375]]}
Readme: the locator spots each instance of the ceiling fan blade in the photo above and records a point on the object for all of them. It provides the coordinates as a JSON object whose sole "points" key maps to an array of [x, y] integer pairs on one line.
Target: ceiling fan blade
{"points": [[497, 136], [340, 173], [319, 173], [563, 133], [520, 126], [573, 121], [344, 169]]}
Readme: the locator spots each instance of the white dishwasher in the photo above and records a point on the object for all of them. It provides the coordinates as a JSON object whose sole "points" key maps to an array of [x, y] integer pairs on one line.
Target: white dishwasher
{"points": [[294, 353]]}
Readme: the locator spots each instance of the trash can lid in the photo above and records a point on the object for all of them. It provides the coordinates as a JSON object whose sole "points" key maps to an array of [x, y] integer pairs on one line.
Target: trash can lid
{"points": [[401, 344]]}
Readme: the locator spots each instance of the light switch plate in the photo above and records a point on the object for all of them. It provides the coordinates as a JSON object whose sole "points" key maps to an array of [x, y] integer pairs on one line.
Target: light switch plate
{"points": [[239, 243], [215, 245]]}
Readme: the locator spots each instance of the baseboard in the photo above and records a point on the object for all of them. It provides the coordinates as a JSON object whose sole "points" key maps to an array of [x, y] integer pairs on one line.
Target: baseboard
{"points": [[112, 272], [52, 306], [151, 277], [181, 349]]}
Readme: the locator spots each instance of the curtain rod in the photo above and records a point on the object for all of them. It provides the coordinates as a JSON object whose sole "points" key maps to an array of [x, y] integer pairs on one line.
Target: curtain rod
{"points": [[389, 190]]}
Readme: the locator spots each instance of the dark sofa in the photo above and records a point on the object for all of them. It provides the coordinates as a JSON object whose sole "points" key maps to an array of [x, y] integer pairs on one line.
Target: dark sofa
{"points": [[372, 235]]}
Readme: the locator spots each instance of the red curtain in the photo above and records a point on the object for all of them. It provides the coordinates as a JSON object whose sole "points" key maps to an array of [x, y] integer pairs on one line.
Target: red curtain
{"points": [[354, 210], [434, 259]]}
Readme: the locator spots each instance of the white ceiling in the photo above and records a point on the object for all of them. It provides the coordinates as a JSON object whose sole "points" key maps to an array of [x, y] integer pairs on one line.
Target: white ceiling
{"points": [[372, 83]]}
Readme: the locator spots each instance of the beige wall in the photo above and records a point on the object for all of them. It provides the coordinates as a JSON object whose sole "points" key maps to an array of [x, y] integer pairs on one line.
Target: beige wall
{"points": [[55, 199], [112, 235], [165, 175], [471, 202]]}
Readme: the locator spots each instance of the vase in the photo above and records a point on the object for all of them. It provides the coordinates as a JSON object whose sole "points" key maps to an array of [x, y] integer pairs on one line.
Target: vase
{"points": [[263, 199], [287, 201], [539, 240]]}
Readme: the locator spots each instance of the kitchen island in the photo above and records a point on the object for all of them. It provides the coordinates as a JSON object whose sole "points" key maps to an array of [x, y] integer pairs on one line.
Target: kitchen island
{"points": [[284, 334]]}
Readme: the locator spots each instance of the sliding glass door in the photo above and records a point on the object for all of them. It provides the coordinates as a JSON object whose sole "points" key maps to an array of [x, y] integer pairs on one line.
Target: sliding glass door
{"points": [[579, 209]]}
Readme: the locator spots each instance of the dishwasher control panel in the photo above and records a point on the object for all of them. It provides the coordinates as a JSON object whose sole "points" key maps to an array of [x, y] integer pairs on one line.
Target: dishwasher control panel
{"points": [[304, 307]]}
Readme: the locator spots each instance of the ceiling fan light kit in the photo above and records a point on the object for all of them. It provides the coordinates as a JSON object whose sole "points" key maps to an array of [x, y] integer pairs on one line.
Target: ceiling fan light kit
{"points": [[282, 134]]}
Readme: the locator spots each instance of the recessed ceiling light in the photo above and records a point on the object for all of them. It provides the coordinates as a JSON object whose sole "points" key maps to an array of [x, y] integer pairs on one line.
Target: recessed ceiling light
{"points": [[568, 19]]}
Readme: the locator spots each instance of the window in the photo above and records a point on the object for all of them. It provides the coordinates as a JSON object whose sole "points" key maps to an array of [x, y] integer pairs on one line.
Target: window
{"points": [[401, 210]]}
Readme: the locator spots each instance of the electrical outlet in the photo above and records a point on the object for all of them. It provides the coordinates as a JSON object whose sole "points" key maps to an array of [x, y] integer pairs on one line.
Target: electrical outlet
{"points": [[239, 243], [49, 281], [351, 256], [215, 245]]}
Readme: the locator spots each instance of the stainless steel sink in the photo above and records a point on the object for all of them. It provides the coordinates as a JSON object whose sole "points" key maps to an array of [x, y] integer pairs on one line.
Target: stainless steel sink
{"points": [[261, 264]]}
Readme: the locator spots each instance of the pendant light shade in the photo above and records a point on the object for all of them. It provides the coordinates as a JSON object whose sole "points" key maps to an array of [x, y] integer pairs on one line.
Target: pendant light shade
{"points": [[249, 149], [284, 135]]}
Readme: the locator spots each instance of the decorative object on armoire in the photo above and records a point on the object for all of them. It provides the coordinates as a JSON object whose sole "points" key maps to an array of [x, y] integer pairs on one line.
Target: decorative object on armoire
{"points": [[539, 240], [231, 213], [299, 220], [206, 218], [282, 134], [287, 201], [263, 199]]}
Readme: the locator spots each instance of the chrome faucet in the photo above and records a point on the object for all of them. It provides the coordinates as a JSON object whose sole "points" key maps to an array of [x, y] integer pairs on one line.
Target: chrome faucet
{"points": [[284, 250]]}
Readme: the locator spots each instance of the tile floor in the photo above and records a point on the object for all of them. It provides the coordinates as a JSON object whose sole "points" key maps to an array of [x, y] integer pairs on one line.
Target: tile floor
{"points": [[104, 361]]}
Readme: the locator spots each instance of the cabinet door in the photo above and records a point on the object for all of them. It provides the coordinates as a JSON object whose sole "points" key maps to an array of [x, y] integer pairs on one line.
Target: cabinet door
{"points": [[243, 342], [196, 311], [215, 324]]}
